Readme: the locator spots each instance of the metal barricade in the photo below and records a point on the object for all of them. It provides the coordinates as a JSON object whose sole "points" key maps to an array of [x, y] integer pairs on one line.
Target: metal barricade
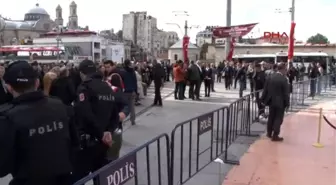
{"points": [[195, 143], [147, 164], [242, 113]]}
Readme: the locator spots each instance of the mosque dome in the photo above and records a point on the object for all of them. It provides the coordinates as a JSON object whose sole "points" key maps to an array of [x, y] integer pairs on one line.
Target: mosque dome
{"points": [[36, 13], [37, 10]]}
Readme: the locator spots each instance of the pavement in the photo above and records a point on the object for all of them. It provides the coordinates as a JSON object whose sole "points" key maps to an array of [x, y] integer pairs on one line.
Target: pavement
{"points": [[300, 159]]}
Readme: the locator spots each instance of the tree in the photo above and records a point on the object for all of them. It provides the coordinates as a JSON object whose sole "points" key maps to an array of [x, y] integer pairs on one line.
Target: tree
{"points": [[204, 51], [318, 39], [120, 34]]}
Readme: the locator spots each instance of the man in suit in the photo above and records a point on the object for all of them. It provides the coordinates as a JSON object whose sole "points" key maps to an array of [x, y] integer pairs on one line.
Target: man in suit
{"points": [[158, 77], [194, 77], [276, 96]]}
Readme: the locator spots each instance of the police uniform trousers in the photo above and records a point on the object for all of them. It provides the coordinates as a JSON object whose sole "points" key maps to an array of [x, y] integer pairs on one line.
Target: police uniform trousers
{"points": [[114, 151], [89, 159]]}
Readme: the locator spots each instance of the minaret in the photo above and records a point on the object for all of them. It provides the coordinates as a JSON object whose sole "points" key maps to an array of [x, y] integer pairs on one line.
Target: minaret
{"points": [[59, 18], [73, 18]]}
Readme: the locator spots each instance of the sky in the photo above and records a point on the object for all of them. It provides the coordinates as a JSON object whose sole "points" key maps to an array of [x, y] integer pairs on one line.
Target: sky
{"points": [[311, 16]]}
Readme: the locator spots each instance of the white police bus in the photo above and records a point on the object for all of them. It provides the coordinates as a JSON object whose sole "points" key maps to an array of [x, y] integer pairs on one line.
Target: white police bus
{"points": [[305, 58], [269, 58]]}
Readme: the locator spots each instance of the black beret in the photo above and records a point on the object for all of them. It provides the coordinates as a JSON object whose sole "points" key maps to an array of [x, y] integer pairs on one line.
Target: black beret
{"points": [[20, 72], [87, 67]]}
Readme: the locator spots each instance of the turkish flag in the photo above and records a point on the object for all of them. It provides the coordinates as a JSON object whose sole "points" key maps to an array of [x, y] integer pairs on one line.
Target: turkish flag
{"points": [[185, 48], [230, 54], [291, 42]]}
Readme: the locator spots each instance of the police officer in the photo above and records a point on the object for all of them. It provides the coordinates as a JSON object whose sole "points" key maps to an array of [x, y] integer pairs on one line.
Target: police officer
{"points": [[259, 79], [35, 132], [241, 78], [97, 115]]}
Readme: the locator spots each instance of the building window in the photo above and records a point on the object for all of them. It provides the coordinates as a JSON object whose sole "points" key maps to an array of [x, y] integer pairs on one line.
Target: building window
{"points": [[175, 57]]}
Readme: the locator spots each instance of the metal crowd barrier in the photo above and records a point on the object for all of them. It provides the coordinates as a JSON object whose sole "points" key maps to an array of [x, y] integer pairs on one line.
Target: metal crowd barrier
{"points": [[147, 164], [197, 142]]}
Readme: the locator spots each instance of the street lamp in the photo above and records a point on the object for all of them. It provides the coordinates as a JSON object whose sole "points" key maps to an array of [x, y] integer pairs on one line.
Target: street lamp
{"points": [[175, 24]]}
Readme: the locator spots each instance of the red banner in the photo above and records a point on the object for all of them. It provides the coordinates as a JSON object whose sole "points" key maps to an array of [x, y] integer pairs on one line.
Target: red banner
{"points": [[291, 42], [233, 31], [185, 48]]}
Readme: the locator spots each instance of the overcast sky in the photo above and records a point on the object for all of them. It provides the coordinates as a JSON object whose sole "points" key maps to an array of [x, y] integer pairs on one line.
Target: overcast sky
{"points": [[312, 16]]}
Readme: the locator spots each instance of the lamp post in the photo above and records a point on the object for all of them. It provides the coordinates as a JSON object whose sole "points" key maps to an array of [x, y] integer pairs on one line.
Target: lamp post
{"points": [[185, 40], [292, 11], [228, 23]]}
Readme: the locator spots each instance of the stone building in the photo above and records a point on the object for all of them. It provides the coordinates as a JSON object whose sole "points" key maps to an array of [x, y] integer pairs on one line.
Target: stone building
{"points": [[141, 29], [175, 52], [35, 22]]}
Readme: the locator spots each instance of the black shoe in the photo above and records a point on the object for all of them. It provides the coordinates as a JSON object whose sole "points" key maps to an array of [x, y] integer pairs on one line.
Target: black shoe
{"points": [[269, 135], [277, 139]]}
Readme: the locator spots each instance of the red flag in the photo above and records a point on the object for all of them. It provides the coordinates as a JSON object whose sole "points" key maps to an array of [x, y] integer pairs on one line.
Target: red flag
{"points": [[185, 48], [291, 42], [230, 54]]}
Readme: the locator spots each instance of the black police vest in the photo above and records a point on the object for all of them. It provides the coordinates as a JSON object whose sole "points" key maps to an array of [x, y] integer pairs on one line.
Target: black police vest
{"points": [[42, 139], [102, 100]]}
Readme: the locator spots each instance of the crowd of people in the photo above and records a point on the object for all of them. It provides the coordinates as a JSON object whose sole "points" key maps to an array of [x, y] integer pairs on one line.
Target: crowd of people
{"points": [[256, 75], [59, 122]]}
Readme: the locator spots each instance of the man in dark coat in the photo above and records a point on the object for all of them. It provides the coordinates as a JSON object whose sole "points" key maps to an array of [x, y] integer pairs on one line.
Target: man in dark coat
{"points": [[276, 96]]}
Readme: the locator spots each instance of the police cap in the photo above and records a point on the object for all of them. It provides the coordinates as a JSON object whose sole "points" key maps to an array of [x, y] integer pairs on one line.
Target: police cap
{"points": [[87, 67], [19, 73]]}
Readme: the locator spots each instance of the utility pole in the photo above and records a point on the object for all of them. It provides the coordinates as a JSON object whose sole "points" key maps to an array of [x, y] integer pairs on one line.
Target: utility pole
{"points": [[228, 23], [293, 11], [186, 28]]}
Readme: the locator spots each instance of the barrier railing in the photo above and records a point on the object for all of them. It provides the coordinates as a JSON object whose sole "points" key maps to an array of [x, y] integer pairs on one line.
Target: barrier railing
{"points": [[150, 167], [197, 142]]}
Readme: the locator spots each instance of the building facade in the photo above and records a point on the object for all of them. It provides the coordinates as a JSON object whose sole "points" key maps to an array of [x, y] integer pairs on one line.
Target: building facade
{"points": [[35, 22], [89, 43], [175, 52], [141, 29], [203, 37]]}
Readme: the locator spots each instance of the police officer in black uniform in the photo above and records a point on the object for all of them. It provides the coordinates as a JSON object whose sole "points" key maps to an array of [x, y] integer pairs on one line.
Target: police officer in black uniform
{"points": [[35, 132], [241, 78], [97, 115]]}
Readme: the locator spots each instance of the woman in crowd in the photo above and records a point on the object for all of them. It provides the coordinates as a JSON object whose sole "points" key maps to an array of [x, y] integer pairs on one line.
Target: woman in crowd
{"points": [[63, 88], [48, 79]]}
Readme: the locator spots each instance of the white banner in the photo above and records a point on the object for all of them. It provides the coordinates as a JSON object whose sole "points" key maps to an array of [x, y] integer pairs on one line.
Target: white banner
{"points": [[118, 53]]}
